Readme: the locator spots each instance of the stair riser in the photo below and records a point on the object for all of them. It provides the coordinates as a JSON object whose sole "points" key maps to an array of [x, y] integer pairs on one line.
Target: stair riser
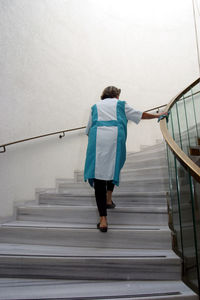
{"points": [[91, 268], [90, 216], [122, 239]]}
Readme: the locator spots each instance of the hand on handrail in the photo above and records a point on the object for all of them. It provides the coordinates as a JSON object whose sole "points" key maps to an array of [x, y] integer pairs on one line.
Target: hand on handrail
{"points": [[163, 115]]}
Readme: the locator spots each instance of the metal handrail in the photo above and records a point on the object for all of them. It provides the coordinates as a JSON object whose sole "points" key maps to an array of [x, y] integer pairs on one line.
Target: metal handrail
{"points": [[180, 155], [40, 136], [62, 133], [156, 108]]}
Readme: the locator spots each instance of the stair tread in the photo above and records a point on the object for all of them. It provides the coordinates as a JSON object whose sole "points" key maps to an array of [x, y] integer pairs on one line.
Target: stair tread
{"points": [[144, 215], [14, 289], [118, 194], [145, 158], [146, 179], [118, 209], [79, 235], [131, 169], [7, 249], [129, 189], [85, 201], [82, 226], [149, 149]]}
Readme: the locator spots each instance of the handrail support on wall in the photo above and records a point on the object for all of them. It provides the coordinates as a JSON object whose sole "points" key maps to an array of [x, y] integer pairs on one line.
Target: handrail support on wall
{"points": [[4, 149], [62, 135]]}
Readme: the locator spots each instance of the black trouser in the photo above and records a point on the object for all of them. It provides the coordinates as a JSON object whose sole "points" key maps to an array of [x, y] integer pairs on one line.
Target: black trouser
{"points": [[101, 187]]}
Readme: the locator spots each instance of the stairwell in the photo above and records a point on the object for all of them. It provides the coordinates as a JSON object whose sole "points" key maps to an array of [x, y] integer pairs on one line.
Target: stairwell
{"points": [[54, 251]]}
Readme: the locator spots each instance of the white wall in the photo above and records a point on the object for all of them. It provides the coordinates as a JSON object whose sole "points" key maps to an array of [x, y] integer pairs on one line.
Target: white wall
{"points": [[56, 58]]}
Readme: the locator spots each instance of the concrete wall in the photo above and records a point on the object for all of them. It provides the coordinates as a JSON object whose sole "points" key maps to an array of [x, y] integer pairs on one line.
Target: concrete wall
{"points": [[56, 58]]}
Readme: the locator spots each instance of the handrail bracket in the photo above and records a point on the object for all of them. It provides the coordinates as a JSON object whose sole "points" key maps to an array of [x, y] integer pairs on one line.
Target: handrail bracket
{"points": [[62, 135], [4, 149]]}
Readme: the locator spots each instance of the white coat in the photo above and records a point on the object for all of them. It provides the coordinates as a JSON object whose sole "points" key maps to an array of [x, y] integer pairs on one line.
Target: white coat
{"points": [[107, 131]]}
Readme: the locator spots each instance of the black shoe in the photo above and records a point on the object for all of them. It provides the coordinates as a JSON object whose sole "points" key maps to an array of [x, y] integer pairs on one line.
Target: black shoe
{"points": [[102, 229], [111, 205]]}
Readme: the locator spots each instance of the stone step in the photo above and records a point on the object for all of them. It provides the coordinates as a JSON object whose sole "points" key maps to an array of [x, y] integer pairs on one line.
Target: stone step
{"points": [[158, 184], [62, 251], [123, 184], [142, 155], [88, 264], [153, 171], [146, 148], [121, 199], [48, 289], [125, 189], [138, 215], [145, 162], [133, 173], [78, 235], [158, 144]]}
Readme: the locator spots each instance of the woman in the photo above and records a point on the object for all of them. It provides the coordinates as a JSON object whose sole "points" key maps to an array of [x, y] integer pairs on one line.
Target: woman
{"points": [[106, 151]]}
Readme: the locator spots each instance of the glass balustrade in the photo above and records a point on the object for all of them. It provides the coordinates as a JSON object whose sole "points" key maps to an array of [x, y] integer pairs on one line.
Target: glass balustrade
{"points": [[184, 202]]}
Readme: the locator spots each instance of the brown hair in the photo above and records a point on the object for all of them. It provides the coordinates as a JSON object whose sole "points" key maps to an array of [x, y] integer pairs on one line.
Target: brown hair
{"points": [[110, 92]]}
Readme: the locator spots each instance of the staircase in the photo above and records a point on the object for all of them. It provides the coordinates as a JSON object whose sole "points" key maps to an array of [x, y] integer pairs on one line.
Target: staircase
{"points": [[54, 251]]}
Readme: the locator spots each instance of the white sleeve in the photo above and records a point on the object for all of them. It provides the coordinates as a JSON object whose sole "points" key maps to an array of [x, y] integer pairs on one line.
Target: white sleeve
{"points": [[89, 124], [132, 114]]}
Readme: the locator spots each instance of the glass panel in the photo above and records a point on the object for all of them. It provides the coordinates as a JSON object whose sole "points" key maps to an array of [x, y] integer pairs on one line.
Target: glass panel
{"points": [[169, 124], [191, 121], [177, 244], [175, 127], [183, 126], [169, 174], [196, 99], [196, 206], [179, 128], [188, 238]]}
